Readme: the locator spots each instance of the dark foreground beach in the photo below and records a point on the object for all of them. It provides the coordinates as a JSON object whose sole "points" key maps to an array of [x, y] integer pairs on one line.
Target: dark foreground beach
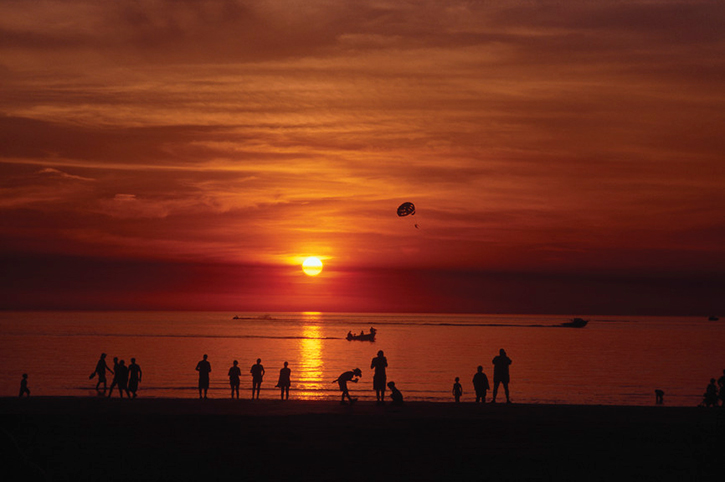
{"points": [[187, 439]]}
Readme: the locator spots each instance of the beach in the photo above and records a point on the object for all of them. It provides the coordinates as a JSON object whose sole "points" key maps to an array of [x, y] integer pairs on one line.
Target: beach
{"points": [[74, 438]]}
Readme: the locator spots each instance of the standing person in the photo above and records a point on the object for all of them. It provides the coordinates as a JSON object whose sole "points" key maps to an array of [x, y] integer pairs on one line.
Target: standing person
{"points": [[234, 374], [204, 368], [284, 381], [114, 382], [379, 363], [351, 376], [480, 384], [457, 390], [501, 374], [24, 386], [257, 372], [100, 370], [134, 377]]}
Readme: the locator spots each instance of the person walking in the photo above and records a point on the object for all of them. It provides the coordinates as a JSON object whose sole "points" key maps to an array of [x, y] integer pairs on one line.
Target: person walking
{"points": [[134, 377], [101, 367]]}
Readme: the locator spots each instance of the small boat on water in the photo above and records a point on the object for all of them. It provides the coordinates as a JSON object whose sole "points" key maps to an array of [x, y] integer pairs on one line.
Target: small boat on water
{"points": [[576, 323], [713, 318], [365, 337], [362, 336]]}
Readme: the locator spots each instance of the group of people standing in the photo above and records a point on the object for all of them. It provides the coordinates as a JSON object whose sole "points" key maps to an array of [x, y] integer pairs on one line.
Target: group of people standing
{"points": [[715, 392], [501, 376], [126, 378], [235, 374]]}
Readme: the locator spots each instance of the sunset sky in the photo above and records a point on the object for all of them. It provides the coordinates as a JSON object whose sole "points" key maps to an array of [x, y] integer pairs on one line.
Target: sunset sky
{"points": [[563, 157]]}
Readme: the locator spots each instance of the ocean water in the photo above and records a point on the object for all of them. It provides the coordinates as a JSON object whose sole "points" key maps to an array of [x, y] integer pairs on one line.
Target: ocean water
{"points": [[613, 360]]}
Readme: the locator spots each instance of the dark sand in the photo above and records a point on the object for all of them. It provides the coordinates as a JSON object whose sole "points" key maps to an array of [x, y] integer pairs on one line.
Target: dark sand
{"points": [[187, 439]]}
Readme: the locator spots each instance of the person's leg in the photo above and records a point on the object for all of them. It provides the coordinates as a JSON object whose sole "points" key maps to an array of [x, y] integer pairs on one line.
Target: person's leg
{"points": [[506, 389], [495, 390]]}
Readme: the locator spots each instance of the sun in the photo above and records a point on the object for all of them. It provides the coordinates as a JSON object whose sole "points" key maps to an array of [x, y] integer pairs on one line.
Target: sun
{"points": [[312, 266]]}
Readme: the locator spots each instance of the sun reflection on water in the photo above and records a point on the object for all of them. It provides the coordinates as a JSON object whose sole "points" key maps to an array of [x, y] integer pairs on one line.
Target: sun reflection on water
{"points": [[309, 380]]}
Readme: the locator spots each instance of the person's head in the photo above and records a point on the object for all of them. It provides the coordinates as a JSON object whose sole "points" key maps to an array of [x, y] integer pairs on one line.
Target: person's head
{"points": [[205, 356], [122, 362], [133, 360], [285, 364], [480, 368], [502, 352], [458, 379], [115, 359], [103, 355], [357, 372], [712, 380], [391, 385], [259, 360], [380, 353], [235, 363], [25, 375]]}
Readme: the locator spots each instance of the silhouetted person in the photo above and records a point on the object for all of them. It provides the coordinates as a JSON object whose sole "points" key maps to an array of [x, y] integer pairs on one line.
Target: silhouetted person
{"points": [[235, 373], [121, 379], [373, 331], [24, 386], [457, 390], [204, 368], [351, 376], [100, 370], [284, 381], [379, 363], [721, 384], [395, 395], [480, 385], [257, 372], [114, 382], [501, 374], [659, 397], [134, 377], [711, 394]]}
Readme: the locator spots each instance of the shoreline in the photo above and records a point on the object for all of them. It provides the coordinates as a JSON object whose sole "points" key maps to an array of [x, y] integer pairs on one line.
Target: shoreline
{"points": [[74, 438]]}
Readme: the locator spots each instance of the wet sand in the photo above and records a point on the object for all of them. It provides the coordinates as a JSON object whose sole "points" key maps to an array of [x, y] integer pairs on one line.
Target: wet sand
{"points": [[215, 439]]}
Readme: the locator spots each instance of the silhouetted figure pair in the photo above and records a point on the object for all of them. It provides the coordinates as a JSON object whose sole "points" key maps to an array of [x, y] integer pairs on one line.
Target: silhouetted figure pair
{"points": [[501, 365], [101, 368], [24, 390], [395, 395], [204, 368], [343, 379], [120, 378], [283, 383], [235, 374], [257, 372], [480, 385], [457, 390], [379, 363], [711, 396], [659, 397]]}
